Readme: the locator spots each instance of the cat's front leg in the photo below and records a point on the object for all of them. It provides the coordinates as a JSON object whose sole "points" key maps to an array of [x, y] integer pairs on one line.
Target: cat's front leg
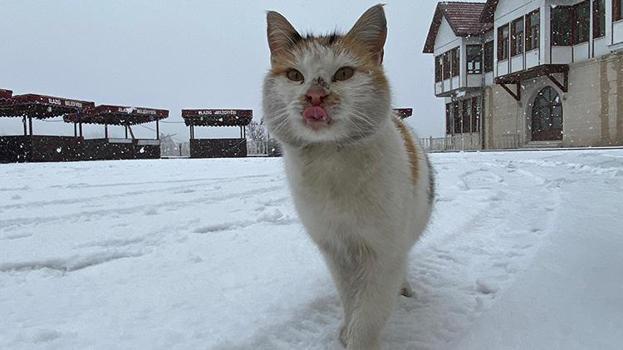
{"points": [[343, 272], [374, 301]]}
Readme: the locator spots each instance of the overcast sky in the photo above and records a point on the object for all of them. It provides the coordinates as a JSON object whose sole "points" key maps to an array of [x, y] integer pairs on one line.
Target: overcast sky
{"points": [[189, 54]]}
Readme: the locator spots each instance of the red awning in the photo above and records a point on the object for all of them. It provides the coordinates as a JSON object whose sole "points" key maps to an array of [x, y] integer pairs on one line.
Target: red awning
{"points": [[217, 117], [5, 94], [403, 113], [41, 106], [117, 115]]}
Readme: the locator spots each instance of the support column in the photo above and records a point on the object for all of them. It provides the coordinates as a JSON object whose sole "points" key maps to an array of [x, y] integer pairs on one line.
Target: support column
{"points": [[25, 127], [126, 131], [30, 125], [75, 130], [80, 128], [157, 129], [106, 131]]}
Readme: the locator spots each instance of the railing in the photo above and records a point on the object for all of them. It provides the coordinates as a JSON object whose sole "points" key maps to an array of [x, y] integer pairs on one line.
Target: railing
{"points": [[461, 142], [467, 142], [268, 148]]}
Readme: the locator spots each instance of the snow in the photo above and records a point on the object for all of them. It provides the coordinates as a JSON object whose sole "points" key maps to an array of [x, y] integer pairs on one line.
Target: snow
{"points": [[524, 252]]}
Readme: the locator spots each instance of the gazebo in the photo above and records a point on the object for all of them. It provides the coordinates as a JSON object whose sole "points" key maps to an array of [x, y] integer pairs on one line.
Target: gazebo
{"points": [[39, 148], [217, 148], [109, 148]]}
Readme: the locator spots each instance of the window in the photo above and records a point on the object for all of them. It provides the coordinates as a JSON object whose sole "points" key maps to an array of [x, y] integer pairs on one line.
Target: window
{"points": [[561, 25], [617, 10], [489, 56], [517, 38], [438, 65], [455, 54], [446, 65], [582, 19], [467, 115], [599, 18], [474, 59], [503, 43], [449, 123], [571, 24], [533, 30], [456, 117], [475, 114]]}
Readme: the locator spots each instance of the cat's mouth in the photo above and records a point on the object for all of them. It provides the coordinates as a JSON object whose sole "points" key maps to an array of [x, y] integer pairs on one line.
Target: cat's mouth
{"points": [[316, 117]]}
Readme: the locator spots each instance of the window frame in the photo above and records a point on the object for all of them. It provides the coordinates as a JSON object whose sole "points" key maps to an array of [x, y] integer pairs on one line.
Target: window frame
{"points": [[456, 121], [599, 19], [438, 69], [577, 25], [557, 36], [503, 51], [488, 64], [455, 62], [469, 58], [466, 116], [475, 114], [616, 11], [445, 75], [517, 37], [533, 38], [449, 119]]}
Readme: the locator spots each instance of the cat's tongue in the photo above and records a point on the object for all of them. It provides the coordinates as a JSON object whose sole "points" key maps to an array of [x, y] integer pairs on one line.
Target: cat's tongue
{"points": [[315, 114]]}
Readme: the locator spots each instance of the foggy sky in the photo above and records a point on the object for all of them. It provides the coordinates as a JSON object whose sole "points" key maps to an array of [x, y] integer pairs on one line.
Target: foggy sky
{"points": [[189, 54]]}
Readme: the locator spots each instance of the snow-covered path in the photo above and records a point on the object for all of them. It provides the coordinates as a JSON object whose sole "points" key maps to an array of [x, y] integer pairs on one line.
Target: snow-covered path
{"points": [[209, 254]]}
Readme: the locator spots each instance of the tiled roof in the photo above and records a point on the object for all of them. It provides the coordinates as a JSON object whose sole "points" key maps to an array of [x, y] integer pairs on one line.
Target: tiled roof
{"points": [[463, 17]]}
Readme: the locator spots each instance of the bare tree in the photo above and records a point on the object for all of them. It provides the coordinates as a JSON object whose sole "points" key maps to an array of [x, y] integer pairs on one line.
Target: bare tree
{"points": [[256, 132]]}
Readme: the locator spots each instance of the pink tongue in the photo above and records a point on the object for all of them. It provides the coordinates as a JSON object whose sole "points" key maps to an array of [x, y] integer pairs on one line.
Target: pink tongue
{"points": [[315, 113]]}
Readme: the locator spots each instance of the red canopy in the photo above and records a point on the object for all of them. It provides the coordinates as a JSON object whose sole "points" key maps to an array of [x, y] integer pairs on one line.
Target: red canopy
{"points": [[217, 117], [118, 115], [403, 112], [41, 106], [5, 94]]}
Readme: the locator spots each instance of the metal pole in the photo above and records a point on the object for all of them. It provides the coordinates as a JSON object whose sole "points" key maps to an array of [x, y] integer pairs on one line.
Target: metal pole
{"points": [[126, 131], [24, 122], [106, 130], [75, 130], [157, 129], [30, 125], [80, 128]]}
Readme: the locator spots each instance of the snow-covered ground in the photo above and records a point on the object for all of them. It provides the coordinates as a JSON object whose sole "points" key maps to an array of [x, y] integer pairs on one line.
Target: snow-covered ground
{"points": [[525, 251]]}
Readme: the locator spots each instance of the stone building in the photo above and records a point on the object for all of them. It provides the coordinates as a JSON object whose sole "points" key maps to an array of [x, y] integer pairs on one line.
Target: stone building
{"points": [[530, 73]]}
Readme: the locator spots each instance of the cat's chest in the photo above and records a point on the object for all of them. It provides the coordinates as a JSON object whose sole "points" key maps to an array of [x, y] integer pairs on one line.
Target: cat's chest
{"points": [[338, 184]]}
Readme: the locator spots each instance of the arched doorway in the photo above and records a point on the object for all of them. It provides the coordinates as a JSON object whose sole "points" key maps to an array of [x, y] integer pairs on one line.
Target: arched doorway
{"points": [[547, 116]]}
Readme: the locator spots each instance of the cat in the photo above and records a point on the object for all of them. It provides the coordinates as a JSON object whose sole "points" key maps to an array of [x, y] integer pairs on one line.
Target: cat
{"points": [[363, 188]]}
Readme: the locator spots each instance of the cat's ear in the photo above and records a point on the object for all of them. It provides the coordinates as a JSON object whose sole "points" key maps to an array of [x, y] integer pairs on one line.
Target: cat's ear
{"points": [[371, 31], [281, 34]]}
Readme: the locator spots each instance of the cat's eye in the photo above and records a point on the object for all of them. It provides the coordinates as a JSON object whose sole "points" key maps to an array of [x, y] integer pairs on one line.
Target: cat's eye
{"points": [[294, 75], [343, 73]]}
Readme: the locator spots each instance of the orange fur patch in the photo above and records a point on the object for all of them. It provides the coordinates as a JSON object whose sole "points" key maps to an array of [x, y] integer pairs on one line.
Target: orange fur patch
{"points": [[411, 148]]}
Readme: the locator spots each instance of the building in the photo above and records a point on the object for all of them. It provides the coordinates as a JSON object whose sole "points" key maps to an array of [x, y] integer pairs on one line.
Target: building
{"points": [[535, 73]]}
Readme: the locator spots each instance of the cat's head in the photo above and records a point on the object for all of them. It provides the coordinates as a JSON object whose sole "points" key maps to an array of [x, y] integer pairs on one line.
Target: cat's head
{"points": [[326, 89]]}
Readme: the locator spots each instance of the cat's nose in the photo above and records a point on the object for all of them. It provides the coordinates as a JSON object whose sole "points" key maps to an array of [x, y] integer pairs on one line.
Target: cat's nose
{"points": [[315, 95]]}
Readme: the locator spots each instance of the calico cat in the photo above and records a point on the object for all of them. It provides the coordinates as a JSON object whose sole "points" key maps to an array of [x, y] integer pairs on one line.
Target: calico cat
{"points": [[362, 186]]}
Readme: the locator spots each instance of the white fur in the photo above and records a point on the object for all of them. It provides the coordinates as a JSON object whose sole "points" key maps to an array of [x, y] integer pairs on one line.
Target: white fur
{"points": [[351, 181], [361, 208]]}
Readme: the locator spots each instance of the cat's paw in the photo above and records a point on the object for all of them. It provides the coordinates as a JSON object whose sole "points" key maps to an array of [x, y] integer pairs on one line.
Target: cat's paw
{"points": [[405, 290], [343, 335]]}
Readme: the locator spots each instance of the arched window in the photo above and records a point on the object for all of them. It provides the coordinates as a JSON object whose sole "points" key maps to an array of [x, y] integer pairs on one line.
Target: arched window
{"points": [[547, 116]]}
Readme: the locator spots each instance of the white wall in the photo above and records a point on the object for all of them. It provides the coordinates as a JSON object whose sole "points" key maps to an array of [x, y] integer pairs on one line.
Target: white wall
{"points": [[446, 39]]}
